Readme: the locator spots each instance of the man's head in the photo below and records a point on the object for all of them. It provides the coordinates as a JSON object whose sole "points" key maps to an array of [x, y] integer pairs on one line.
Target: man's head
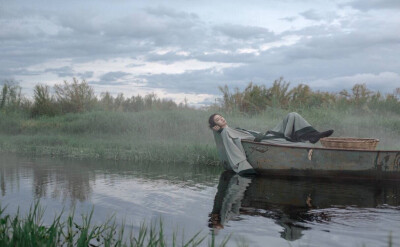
{"points": [[216, 120]]}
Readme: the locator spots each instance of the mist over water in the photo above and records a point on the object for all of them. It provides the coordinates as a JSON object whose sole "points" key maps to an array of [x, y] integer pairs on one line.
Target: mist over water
{"points": [[255, 210]]}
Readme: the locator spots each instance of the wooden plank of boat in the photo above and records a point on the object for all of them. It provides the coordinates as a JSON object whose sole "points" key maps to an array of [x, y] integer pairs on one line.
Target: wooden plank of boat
{"points": [[274, 159]]}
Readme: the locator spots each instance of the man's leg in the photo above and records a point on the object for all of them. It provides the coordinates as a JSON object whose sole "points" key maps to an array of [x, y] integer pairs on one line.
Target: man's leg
{"points": [[295, 128]]}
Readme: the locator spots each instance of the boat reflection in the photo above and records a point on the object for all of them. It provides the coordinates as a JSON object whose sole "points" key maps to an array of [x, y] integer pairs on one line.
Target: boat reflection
{"points": [[294, 203]]}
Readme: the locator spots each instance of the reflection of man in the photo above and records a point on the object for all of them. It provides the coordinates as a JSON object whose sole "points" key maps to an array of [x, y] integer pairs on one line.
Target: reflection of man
{"points": [[228, 199], [235, 191]]}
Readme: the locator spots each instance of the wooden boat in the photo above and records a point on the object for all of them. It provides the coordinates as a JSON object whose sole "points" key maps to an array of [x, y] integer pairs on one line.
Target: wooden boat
{"points": [[274, 159]]}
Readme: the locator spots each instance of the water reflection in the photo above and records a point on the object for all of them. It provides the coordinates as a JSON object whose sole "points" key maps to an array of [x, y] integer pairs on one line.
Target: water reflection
{"points": [[74, 179], [262, 209], [179, 194], [294, 204]]}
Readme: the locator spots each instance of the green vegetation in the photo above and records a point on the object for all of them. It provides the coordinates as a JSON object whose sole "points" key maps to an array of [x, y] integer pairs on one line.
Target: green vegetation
{"points": [[167, 136], [255, 99], [31, 231], [74, 123], [74, 97]]}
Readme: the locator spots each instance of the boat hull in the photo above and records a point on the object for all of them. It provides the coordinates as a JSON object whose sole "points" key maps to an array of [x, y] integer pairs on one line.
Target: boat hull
{"points": [[272, 159]]}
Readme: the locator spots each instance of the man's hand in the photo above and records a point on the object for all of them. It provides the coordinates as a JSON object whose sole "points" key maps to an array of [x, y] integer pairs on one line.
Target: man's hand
{"points": [[259, 138], [216, 128]]}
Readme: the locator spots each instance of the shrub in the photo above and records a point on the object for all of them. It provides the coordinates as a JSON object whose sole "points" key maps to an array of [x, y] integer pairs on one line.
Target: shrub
{"points": [[11, 98], [44, 103], [75, 97]]}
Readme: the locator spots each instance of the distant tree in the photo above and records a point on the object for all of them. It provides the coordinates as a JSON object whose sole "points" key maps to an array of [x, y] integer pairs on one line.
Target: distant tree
{"points": [[279, 93], [252, 100], [300, 95], [255, 99], [149, 101], [75, 97], [11, 98], [44, 103], [137, 103], [361, 94], [119, 101], [106, 101]]}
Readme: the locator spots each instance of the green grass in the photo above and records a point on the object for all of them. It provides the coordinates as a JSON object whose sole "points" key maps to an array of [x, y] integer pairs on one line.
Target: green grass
{"points": [[168, 136], [179, 135], [31, 231]]}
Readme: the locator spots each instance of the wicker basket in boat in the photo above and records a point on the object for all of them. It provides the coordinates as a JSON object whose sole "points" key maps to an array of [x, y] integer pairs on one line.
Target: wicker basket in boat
{"points": [[349, 143]]}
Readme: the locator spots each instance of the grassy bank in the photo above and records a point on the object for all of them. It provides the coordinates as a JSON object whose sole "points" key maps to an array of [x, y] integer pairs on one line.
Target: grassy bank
{"points": [[178, 135], [170, 136], [30, 230]]}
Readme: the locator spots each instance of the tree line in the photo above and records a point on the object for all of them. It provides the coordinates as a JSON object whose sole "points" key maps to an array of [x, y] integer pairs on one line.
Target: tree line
{"points": [[78, 96], [256, 98], [75, 97]]}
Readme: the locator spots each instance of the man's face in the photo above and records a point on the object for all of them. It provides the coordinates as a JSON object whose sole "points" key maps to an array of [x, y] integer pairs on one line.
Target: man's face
{"points": [[220, 121]]}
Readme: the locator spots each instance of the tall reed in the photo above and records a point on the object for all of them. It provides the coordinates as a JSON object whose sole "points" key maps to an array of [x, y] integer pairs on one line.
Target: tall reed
{"points": [[31, 231]]}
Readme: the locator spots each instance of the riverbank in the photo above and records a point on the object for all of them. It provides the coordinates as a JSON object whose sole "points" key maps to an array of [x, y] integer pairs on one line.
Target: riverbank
{"points": [[178, 135]]}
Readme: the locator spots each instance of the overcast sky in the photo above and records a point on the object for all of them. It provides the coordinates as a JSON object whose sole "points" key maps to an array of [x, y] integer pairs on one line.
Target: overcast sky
{"points": [[188, 48]]}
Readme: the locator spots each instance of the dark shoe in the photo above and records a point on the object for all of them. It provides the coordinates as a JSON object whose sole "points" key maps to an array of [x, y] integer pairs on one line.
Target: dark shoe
{"points": [[315, 136]]}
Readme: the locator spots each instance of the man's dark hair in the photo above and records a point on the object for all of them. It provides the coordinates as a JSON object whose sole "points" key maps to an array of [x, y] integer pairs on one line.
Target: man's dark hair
{"points": [[211, 122]]}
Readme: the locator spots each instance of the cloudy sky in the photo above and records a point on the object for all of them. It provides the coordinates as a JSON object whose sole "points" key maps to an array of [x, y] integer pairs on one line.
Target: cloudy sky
{"points": [[188, 48]]}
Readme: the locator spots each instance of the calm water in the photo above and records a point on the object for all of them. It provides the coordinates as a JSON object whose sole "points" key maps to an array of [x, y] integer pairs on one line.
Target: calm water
{"points": [[259, 211]]}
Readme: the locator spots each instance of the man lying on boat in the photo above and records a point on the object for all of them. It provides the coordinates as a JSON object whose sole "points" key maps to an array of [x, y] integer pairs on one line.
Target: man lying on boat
{"points": [[294, 130]]}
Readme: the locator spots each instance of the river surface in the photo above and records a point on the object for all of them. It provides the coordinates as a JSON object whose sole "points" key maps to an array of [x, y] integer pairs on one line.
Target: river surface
{"points": [[257, 211]]}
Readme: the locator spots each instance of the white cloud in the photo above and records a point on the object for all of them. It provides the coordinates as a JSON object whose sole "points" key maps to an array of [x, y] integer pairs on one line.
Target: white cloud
{"points": [[384, 82], [285, 41], [374, 4], [191, 48]]}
